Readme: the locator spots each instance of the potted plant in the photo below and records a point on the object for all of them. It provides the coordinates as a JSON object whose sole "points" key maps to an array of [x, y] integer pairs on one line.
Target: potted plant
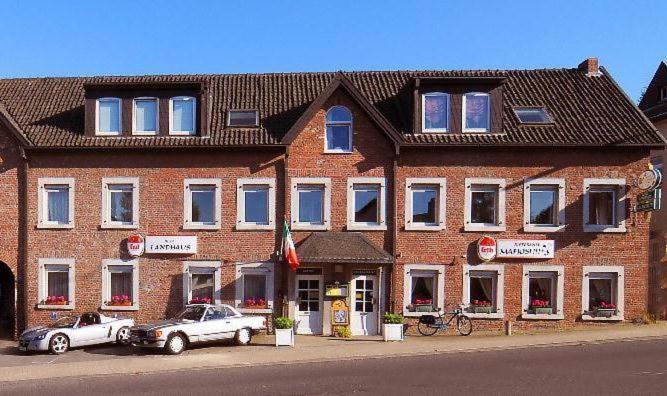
{"points": [[343, 332], [284, 328], [120, 301], [200, 300], [255, 303], [604, 310], [481, 306], [541, 307], [392, 329], [422, 305], [56, 300]]}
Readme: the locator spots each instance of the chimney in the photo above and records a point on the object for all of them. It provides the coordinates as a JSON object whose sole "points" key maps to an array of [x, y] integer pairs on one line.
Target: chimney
{"points": [[590, 67]]}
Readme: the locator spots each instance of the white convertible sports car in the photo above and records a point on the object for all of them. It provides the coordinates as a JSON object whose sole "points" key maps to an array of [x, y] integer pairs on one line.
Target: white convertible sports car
{"points": [[89, 328], [198, 322]]}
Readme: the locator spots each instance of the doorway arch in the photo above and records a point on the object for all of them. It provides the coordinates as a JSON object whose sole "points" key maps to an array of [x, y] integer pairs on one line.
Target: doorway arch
{"points": [[7, 302]]}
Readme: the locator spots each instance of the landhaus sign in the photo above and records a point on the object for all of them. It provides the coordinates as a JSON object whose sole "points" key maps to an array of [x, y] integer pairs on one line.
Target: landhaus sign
{"points": [[171, 244], [539, 249]]}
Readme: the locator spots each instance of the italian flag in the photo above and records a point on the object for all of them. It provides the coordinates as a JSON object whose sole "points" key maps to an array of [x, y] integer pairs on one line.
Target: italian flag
{"points": [[289, 251]]}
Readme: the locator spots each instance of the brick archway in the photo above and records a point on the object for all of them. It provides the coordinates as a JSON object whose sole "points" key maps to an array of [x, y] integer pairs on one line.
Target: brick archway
{"points": [[7, 302]]}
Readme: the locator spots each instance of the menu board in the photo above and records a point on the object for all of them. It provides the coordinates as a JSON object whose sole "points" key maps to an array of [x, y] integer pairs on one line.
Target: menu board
{"points": [[340, 313]]}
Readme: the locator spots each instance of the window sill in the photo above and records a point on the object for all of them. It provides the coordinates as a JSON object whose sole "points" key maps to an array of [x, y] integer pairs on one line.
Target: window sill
{"points": [[483, 228], [337, 152], [604, 229], [118, 134], [435, 131], [538, 229], [589, 318], [363, 227], [144, 133], [182, 133], [542, 316], [110, 226], [418, 227], [43, 226], [310, 227], [255, 311], [201, 227], [255, 227], [495, 315], [68, 307], [409, 314], [119, 307]]}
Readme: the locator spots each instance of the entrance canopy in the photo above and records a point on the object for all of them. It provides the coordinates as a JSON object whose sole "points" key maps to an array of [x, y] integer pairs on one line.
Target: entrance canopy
{"points": [[341, 247]]}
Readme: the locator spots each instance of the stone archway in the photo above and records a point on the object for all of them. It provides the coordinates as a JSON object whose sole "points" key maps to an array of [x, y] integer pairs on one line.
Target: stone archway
{"points": [[7, 302]]}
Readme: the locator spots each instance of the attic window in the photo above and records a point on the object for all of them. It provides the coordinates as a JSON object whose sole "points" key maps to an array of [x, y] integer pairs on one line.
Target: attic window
{"points": [[663, 93], [533, 115], [243, 118]]}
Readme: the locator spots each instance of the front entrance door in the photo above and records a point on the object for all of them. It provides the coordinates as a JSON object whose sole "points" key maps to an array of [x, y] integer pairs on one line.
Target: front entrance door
{"points": [[7, 294], [309, 291], [364, 317]]}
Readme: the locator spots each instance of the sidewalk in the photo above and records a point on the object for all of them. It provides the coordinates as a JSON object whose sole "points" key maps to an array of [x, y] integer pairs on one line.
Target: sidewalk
{"points": [[108, 360]]}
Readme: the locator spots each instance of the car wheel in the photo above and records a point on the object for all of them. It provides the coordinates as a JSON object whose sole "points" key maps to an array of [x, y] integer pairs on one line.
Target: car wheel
{"points": [[175, 344], [123, 336], [59, 344], [243, 337]]}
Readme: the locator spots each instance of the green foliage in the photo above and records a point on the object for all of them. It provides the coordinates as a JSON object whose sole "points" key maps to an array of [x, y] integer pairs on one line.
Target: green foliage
{"points": [[392, 318], [283, 323], [343, 332]]}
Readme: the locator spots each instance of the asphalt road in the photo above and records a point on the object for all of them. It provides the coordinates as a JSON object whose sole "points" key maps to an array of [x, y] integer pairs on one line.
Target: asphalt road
{"points": [[630, 367]]}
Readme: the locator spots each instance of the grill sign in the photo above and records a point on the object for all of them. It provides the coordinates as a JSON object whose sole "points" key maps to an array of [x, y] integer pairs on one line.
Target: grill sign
{"points": [[171, 244], [135, 245], [486, 248], [649, 200], [537, 249]]}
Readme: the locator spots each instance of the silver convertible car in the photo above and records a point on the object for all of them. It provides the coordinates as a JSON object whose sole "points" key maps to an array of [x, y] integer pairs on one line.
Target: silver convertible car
{"points": [[198, 322], [89, 328]]}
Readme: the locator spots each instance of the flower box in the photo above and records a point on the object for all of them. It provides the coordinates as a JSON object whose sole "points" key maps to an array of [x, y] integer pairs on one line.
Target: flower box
{"points": [[119, 303], [284, 337], [543, 310], [604, 312], [56, 300], [422, 305], [255, 303], [482, 309], [392, 332], [200, 300]]}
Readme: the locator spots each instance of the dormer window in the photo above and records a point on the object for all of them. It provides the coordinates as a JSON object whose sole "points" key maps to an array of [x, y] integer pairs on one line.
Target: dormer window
{"points": [[435, 112], [145, 116], [182, 115], [338, 136], [108, 116], [243, 118], [663, 93], [532, 115], [476, 112]]}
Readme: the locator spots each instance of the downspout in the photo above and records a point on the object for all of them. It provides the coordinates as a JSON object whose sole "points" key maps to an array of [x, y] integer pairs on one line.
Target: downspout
{"points": [[22, 262], [285, 299], [395, 229]]}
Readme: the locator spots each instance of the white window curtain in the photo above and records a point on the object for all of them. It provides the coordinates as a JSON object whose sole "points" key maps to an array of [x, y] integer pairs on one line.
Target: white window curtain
{"points": [[108, 114], [58, 204], [121, 281], [182, 115], [57, 282]]}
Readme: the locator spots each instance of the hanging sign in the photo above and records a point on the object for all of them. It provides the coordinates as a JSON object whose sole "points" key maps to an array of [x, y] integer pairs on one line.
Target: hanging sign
{"points": [[650, 179], [486, 248], [649, 201], [171, 244], [538, 249], [135, 245]]}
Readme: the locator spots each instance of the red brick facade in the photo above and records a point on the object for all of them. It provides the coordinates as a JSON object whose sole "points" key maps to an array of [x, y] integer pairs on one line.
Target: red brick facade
{"points": [[161, 175]]}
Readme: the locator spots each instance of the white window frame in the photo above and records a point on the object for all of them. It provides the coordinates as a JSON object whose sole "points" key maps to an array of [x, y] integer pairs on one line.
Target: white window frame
{"points": [[134, 116], [324, 181], [560, 285], [42, 282], [339, 123], [194, 116], [270, 184], [488, 113], [619, 213], [620, 291], [500, 214], [423, 115], [106, 284], [229, 116], [440, 184], [381, 184], [261, 268], [188, 224], [439, 289], [560, 218], [499, 287], [97, 116], [106, 202], [42, 201], [214, 267]]}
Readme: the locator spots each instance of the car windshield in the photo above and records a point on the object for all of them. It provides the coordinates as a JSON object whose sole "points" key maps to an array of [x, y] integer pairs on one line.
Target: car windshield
{"points": [[191, 313], [68, 321]]}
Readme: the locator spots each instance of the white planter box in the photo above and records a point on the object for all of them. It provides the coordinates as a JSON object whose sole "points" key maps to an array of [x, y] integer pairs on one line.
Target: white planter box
{"points": [[284, 337], [393, 332]]}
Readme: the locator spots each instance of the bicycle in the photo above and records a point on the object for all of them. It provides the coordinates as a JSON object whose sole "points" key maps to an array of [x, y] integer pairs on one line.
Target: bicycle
{"points": [[430, 324]]}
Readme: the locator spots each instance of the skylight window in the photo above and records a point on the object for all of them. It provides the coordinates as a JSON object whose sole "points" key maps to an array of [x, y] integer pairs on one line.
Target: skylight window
{"points": [[243, 118], [533, 115]]}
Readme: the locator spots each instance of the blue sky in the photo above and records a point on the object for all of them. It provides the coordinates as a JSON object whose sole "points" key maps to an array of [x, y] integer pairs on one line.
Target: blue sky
{"points": [[73, 38]]}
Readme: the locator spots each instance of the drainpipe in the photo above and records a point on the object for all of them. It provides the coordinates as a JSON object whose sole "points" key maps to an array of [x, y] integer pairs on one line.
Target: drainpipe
{"points": [[22, 259], [394, 228]]}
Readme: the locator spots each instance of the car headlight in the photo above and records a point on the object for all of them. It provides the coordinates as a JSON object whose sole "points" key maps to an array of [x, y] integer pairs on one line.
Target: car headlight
{"points": [[155, 333]]}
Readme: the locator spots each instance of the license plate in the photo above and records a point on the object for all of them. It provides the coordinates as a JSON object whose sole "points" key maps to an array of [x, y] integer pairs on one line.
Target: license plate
{"points": [[22, 348]]}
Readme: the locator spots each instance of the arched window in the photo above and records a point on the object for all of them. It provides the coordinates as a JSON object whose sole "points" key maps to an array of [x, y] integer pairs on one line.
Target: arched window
{"points": [[476, 112], [338, 130]]}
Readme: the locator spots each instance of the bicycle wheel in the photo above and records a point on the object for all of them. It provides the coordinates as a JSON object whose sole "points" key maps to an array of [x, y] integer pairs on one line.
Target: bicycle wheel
{"points": [[464, 325], [426, 329]]}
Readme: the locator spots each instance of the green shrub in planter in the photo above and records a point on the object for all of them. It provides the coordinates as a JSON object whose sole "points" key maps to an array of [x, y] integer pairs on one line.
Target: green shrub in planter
{"points": [[392, 318], [283, 323], [343, 332]]}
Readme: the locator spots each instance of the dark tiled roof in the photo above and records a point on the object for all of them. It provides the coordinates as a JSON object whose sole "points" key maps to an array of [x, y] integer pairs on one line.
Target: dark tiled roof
{"points": [[651, 103], [340, 247], [586, 110]]}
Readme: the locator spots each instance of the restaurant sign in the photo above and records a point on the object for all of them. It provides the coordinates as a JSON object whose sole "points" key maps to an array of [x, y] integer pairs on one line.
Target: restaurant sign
{"points": [[530, 249], [135, 245], [486, 248], [171, 244], [649, 200]]}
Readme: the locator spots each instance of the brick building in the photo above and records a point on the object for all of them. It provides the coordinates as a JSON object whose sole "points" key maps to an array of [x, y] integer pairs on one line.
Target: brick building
{"points": [[387, 180]]}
